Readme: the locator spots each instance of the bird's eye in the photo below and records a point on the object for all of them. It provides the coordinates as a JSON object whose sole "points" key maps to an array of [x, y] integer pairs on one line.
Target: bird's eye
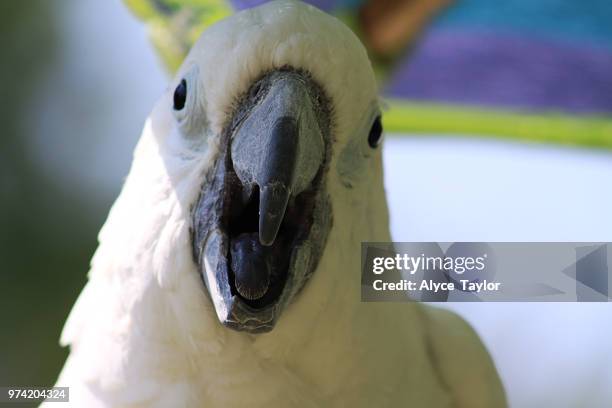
{"points": [[375, 136], [180, 95]]}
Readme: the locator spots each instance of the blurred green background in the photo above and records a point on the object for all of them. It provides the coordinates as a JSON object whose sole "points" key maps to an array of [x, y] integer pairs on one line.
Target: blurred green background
{"points": [[71, 110], [39, 250]]}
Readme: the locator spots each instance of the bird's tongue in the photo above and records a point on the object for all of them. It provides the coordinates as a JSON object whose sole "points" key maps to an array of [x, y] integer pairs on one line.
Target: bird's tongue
{"points": [[251, 265]]}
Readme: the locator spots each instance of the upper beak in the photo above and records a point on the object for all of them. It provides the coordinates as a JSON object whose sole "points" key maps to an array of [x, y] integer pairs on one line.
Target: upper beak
{"points": [[278, 149]]}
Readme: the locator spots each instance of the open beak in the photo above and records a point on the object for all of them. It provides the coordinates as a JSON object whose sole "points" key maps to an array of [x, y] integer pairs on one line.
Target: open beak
{"points": [[263, 216]]}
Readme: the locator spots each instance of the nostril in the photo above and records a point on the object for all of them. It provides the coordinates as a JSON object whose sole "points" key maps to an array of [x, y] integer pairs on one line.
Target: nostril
{"points": [[254, 93]]}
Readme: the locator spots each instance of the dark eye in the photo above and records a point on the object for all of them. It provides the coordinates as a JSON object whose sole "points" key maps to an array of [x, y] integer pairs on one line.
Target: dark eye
{"points": [[375, 136], [180, 95]]}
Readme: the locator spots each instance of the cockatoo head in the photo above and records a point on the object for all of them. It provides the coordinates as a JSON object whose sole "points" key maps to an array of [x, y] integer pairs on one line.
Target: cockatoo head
{"points": [[275, 117]]}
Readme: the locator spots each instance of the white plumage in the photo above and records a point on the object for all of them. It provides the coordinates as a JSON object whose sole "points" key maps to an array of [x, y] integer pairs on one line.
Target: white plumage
{"points": [[144, 333]]}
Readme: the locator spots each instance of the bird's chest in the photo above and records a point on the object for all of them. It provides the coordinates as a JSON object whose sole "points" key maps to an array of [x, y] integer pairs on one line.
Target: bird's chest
{"points": [[331, 375], [380, 377]]}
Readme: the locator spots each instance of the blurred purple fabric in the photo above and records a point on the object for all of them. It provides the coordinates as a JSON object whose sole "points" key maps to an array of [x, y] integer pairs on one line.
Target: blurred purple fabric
{"points": [[326, 5], [485, 68]]}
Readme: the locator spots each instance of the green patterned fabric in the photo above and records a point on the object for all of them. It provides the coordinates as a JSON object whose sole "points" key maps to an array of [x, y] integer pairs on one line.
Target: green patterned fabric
{"points": [[174, 25], [588, 131]]}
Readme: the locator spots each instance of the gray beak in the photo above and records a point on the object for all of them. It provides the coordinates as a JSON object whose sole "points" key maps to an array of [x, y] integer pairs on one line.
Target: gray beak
{"points": [[278, 149], [254, 238]]}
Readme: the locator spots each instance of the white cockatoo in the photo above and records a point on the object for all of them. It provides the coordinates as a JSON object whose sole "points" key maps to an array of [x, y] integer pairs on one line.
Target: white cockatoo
{"points": [[228, 271]]}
